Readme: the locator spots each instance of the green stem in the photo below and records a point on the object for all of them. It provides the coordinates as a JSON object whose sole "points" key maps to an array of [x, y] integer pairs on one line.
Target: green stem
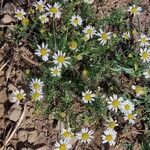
{"points": [[54, 34]]}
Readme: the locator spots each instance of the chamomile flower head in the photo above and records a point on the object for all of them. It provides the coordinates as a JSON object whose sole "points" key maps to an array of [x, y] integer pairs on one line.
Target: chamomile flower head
{"points": [[17, 96], [37, 95], [145, 55], [36, 84], [138, 90], [85, 135], [147, 73], [56, 71], [63, 145], [88, 96], [39, 5], [127, 107], [54, 10], [109, 136], [111, 124], [20, 14], [76, 20], [114, 102], [43, 18], [43, 51], [89, 31], [126, 35], [103, 37], [144, 40], [67, 134], [60, 59], [73, 45], [89, 1], [130, 117], [135, 10]]}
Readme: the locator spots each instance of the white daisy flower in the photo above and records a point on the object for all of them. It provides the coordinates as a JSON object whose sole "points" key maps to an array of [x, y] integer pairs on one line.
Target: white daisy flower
{"points": [[145, 55], [109, 136], [126, 35], [88, 96], [114, 102], [63, 145], [144, 40], [43, 18], [43, 51], [111, 124], [20, 14], [134, 10], [89, 31], [138, 90], [147, 73], [61, 59], [89, 1], [67, 134], [76, 20], [37, 95], [54, 10], [85, 135], [130, 117], [39, 5], [56, 71], [17, 96], [127, 107], [103, 37], [36, 84]]}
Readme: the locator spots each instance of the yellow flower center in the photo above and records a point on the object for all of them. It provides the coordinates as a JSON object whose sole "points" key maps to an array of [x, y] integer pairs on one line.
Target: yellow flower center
{"points": [[115, 103], [127, 107], [111, 125], [145, 55], [109, 137], [19, 97], [40, 7], [76, 21], [90, 31], [35, 96], [43, 51], [73, 45], [134, 10], [61, 59], [53, 10], [36, 86], [87, 97], [25, 21], [144, 40], [66, 134], [19, 14], [63, 147], [126, 36], [130, 116], [134, 32], [85, 136], [104, 36], [138, 89], [55, 71]]}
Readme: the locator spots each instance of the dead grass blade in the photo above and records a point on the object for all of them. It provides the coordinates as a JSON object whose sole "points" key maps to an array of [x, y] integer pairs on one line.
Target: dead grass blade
{"points": [[1, 68], [30, 61]]}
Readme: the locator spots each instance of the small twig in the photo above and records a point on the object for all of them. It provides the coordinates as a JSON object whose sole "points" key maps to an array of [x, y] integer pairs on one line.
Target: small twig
{"points": [[16, 127], [1, 68]]}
